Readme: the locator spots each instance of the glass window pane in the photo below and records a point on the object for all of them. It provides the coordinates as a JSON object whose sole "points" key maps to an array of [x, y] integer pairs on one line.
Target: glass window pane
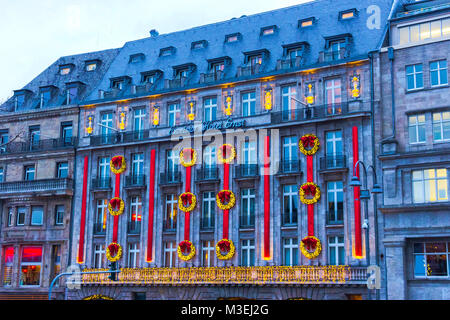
{"points": [[436, 29], [404, 35], [446, 27], [414, 33], [418, 192], [418, 248], [437, 265], [419, 265], [425, 31], [435, 247]]}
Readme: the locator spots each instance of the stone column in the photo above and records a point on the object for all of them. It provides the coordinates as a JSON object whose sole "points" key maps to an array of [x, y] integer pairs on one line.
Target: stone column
{"points": [[395, 269]]}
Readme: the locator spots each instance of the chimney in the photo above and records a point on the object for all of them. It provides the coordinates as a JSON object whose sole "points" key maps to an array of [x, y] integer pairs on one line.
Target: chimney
{"points": [[154, 33]]}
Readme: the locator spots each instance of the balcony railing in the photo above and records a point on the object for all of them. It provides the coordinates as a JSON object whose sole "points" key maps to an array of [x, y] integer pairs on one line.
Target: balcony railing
{"points": [[36, 185], [176, 83], [287, 64], [335, 218], [290, 166], [170, 177], [134, 227], [207, 223], [290, 219], [40, 145], [334, 161], [250, 70], [98, 229], [135, 181], [101, 183], [329, 56], [119, 137], [310, 113], [211, 77], [207, 173], [246, 171], [170, 225], [247, 221]]}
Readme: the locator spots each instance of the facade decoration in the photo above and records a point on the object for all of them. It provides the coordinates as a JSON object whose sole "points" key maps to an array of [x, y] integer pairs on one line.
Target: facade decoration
{"points": [[122, 120], [355, 86], [90, 125], [151, 206], [114, 252], [268, 99], [191, 110], [228, 105], [155, 119], [310, 93]]}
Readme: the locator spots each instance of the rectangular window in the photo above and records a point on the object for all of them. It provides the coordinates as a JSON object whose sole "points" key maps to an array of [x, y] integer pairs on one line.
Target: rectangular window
{"points": [[99, 256], [103, 168], [431, 259], [290, 204], [334, 148], [173, 161], [438, 73], [208, 253], [139, 119], [247, 253], [174, 114], [135, 209], [59, 215], [209, 158], [210, 109], [35, 137], [290, 252], [2, 175], [101, 216], [248, 200], [248, 104], [288, 103], [170, 251], [8, 261], [56, 262], [29, 173], [21, 212], [423, 31], [441, 126], [10, 217], [37, 216], [208, 210], [91, 67], [106, 127], [133, 255], [45, 98], [170, 221], [137, 165], [336, 250], [31, 263], [63, 170], [430, 185], [290, 154], [416, 129], [414, 77], [66, 133], [333, 96], [335, 198]]}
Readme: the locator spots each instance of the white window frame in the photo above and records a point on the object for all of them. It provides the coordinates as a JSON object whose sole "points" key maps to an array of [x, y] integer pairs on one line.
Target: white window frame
{"points": [[172, 202], [174, 114], [210, 105], [247, 103], [42, 216], [414, 74], [290, 195], [209, 249], [247, 247], [133, 255], [171, 248], [336, 245], [208, 207], [137, 162], [248, 194], [438, 70], [99, 256], [416, 127], [136, 209], [292, 248], [104, 167], [332, 194], [425, 254], [440, 123], [426, 182]]}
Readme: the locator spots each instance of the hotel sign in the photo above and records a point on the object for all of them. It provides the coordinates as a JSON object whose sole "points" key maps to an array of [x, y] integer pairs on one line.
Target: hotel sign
{"points": [[212, 125]]}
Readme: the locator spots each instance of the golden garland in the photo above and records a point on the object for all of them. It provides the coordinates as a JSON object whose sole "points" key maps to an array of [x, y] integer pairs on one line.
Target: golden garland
{"points": [[306, 253], [313, 150], [191, 207], [190, 255], [302, 193], [118, 255], [230, 253], [230, 158], [193, 160], [121, 208], [122, 168], [230, 204], [98, 297]]}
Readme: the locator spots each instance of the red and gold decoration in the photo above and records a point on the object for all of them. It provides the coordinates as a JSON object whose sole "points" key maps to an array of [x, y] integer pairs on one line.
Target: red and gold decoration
{"points": [[191, 110], [225, 249], [309, 144], [267, 197], [225, 199], [356, 198], [122, 120], [114, 252], [226, 154], [268, 102], [186, 250], [151, 206], [118, 164], [355, 86], [187, 202], [80, 258], [116, 206], [310, 93], [192, 157], [309, 192], [155, 116]]}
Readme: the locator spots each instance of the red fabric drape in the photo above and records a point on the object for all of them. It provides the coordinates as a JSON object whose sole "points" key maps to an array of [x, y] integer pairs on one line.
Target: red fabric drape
{"points": [[267, 198], [116, 218], [310, 178], [80, 258], [356, 195], [151, 206], [187, 215]]}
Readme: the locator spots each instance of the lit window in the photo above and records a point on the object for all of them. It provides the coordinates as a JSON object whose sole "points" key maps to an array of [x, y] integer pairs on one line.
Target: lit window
{"points": [[232, 37], [414, 77], [91, 67], [441, 126], [416, 128], [438, 73], [268, 31], [31, 263], [430, 185], [431, 259], [135, 210], [208, 253], [306, 23], [426, 30], [8, 265], [64, 71], [347, 15], [101, 216], [170, 220]]}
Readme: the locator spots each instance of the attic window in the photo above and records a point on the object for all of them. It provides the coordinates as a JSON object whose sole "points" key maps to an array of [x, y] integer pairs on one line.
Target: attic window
{"points": [[136, 58], [150, 76], [266, 31], [233, 37], [91, 66], [165, 52], [65, 70], [308, 22], [348, 14], [199, 44]]}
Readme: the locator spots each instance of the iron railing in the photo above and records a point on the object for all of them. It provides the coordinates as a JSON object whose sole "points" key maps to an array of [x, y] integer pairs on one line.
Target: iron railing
{"points": [[135, 181], [98, 229], [207, 173], [290, 166], [310, 113], [101, 183], [246, 171], [39, 145], [36, 185], [170, 177], [170, 225], [335, 217], [333, 161], [134, 227], [247, 221], [207, 223]]}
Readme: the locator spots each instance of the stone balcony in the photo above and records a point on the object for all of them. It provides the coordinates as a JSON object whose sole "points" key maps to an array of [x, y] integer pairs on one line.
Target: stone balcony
{"points": [[45, 187]]}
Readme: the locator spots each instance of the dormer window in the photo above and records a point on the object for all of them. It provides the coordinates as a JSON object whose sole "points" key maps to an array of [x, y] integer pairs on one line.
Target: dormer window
{"points": [[19, 101], [91, 67], [199, 44], [117, 84], [337, 47], [150, 77], [65, 69], [20, 97], [218, 66], [165, 52], [266, 31], [308, 22], [254, 60], [233, 37], [72, 92], [347, 14], [183, 71], [45, 97], [136, 58]]}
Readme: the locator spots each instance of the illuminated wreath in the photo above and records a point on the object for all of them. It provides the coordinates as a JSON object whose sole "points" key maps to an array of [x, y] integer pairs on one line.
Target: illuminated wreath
{"points": [[193, 157], [225, 199], [226, 149], [311, 247], [118, 162], [309, 141], [225, 249], [114, 252], [186, 250], [309, 188], [187, 198], [116, 206]]}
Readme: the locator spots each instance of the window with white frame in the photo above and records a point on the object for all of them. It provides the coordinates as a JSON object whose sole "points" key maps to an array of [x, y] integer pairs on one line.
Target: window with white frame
{"points": [[10, 216], [59, 215], [173, 160], [290, 204], [103, 168], [248, 200], [333, 96], [416, 128], [106, 124], [249, 153], [137, 165], [133, 255], [414, 77], [248, 104], [8, 261], [431, 259], [247, 253], [209, 157], [139, 118], [37, 215], [174, 114], [427, 30], [20, 219], [170, 221], [290, 154], [30, 265], [441, 126], [336, 250], [170, 250], [288, 103], [100, 217], [290, 252], [430, 185], [208, 253], [2, 175], [209, 109], [438, 73], [208, 212], [63, 170], [99, 256], [335, 198], [30, 172], [135, 209]]}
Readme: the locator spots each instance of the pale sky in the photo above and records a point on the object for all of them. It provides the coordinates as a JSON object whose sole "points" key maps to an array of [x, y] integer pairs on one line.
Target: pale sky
{"points": [[35, 33]]}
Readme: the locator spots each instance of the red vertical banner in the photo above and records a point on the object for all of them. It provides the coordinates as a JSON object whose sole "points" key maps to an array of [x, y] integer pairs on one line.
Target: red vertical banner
{"points": [[267, 198], [151, 206], [356, 197], [80, 258], [116, 218], [310, 207], [187, 215]]}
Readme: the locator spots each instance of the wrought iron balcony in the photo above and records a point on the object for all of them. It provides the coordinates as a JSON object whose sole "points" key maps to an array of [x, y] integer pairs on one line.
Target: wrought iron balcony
{"points": [[211, 77], [134, 227], [131, 136], [290, 219], [207, 223], [98, 229], [46, 185], [38, 146], [207, 173], [287, 64], [170, 177], [247, 221], [101, 183], [170, 225], [246, 171], [290, 166], [119, 137], [135, 181], [335, 217], [310, 113], [250, 70], [329, 56], [333, 161]]}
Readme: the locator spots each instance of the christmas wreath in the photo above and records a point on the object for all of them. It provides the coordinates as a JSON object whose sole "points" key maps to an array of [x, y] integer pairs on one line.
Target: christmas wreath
{"points": [[187, 202], [311, 247], [309, 188], [118, 164], [226, 150], [225, 249], [309, 141], [192, 156], [186, 250], [225, 199], [116, 206], [114, 252]]}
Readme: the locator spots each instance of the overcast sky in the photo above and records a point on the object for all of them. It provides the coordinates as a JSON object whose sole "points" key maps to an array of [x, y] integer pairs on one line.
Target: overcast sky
{"points": [[35, 33]]}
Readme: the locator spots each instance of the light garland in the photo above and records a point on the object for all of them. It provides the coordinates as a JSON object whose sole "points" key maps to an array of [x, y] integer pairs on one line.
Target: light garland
{"points": [[227, 147], [113, 204], [317, 249], [192, 199], [183, 161], [309, 140], [117, 256], [98, 297], [191, 248], [118, 161], [224, 194], [229, 254], [312, 188]]}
